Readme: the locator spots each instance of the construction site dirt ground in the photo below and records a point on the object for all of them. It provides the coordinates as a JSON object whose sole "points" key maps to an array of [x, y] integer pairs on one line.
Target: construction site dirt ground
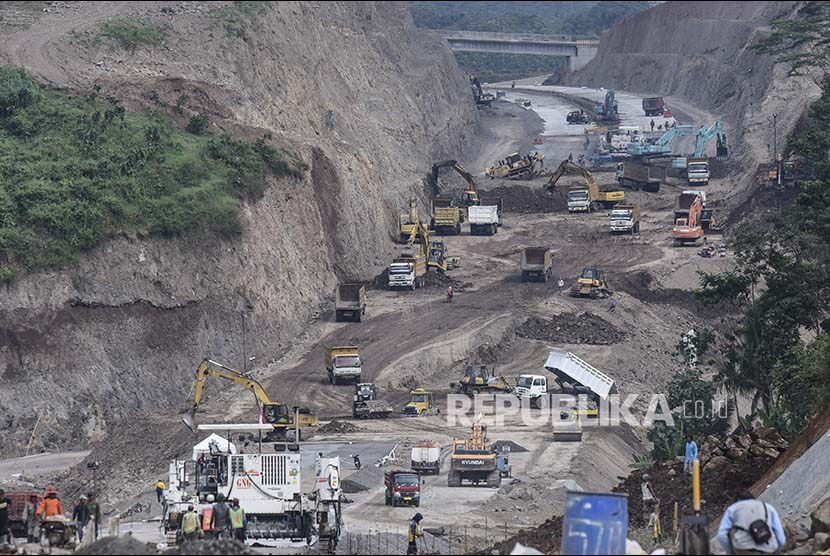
{"points": [[416, 338]]}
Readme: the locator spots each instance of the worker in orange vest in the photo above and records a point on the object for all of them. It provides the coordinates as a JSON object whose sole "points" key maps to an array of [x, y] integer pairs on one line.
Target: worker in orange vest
{"points": [[207, 519], [51, 505]]}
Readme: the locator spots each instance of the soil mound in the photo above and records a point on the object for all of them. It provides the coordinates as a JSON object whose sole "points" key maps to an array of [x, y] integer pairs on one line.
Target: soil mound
{"points": [[117, 545], [546, 538], [571, 328], [508, 446], [639, 285], [210, 547], [338, 427], [524, 199]]}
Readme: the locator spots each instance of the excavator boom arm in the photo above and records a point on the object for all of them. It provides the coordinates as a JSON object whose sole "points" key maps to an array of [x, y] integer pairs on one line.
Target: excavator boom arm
{"points": [[566, 165], [468, 177], [212, 368]]}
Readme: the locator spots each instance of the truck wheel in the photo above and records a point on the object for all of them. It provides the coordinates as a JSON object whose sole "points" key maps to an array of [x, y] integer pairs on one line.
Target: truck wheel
{"points": [[475, 391], [414, 283], [637, 227], [524, 276], [338, 316], [417, 503], [458, 229]]}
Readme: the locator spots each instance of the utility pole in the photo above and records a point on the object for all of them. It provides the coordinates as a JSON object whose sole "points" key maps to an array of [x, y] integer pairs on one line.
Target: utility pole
{"points": [[244, 354], [775, 148]]}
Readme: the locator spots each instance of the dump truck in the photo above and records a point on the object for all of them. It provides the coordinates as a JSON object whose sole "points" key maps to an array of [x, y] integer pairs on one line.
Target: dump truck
{"points": [[484, 220], [647, 177], [402, 487], [472, 462], [16, 511], [697, 171], [533, 388], [425, 457], [683, 203], [343, 364], [408, 270], [591, 284], [653, 106], [625, 219], [478, 380], [350, 302], [537, 264], [366, 405], [584, 198], [446, 216], [420, 403], [497, 202], [578, 117]]}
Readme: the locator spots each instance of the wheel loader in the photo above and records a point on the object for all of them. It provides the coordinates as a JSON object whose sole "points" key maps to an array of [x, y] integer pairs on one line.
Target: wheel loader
{"points": [[591, 284]]}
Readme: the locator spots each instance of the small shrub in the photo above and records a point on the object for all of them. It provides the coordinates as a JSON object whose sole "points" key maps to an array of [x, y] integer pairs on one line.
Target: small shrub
{"points": [[181, 102], [197, 124], [130, 34]]}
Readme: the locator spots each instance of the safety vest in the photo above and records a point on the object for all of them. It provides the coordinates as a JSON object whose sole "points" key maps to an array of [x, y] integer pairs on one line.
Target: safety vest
{"points": [[206, 519], [190, 523], [237, 518], [412, 535]]}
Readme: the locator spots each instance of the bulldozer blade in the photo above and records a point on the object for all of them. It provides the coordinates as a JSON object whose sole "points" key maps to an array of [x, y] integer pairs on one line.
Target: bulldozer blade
{"points": [[189, 419]]}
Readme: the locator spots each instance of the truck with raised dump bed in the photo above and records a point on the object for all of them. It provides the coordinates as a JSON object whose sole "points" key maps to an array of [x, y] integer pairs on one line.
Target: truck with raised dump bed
{"points": [[625, 219], [350, 302], [537, 264], [484, 220]]}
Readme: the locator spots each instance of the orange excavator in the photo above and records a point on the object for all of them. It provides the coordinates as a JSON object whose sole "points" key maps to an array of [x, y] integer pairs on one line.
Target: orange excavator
{"points": [[688, 230]]}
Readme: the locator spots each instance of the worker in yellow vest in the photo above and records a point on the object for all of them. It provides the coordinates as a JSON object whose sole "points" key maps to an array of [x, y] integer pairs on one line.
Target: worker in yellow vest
{"points": [[207, 519], [238, 521], [190, 524], [160, 490], [413, 533]]}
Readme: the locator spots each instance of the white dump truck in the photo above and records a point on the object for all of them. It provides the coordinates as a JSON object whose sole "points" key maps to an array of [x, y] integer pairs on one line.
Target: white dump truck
{"points": [[484, 220], [625, 218], [533, 388], [409, 270]]}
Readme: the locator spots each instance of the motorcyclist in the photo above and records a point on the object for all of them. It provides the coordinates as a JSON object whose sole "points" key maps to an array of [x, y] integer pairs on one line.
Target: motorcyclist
{"points": [[356, 459], [449, 294]]}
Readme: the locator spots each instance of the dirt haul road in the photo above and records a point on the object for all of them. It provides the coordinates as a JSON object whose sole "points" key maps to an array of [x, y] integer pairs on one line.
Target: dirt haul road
{"points": [[413, 339]]}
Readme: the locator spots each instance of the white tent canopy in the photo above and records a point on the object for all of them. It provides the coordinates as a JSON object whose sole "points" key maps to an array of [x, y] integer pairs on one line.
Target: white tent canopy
{"points": [[203, 447]]}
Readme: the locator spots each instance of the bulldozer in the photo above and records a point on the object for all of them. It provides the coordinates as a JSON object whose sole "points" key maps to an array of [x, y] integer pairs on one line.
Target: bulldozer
{"points": [[420, 403], [478, 380], [366, 404], [281, 417], [591, 284], [471, 461], [516, 167]]}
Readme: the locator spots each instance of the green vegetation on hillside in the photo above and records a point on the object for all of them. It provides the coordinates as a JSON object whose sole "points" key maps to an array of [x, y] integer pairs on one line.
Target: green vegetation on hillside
{"points": [[238, 15], [130, 33], [74, 171]]}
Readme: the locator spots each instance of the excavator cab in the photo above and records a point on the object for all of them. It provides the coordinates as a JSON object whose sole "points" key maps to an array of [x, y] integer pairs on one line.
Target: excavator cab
{"points": [[512, 159], [470, 198], [276, 414]]}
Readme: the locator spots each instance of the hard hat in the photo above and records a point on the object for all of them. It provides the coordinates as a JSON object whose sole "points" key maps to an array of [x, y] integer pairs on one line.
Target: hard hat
{"points": [[646, 477], [83, 497], [418, 517], [210, 498], [51, 490]]}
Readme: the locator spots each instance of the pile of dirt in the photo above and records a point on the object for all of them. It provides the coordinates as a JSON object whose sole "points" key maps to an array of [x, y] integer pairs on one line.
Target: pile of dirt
{"points": [[120, 545], [571, 328], [728, 467], [338, 427], [442, 280], [546, 538], [639, 285], [508, 446], [210, 547], [528, 200]]}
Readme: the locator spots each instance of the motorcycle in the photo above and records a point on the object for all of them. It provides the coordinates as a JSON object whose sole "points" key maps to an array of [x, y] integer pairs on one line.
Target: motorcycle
{"points": [[58, 531], [356, 459]]}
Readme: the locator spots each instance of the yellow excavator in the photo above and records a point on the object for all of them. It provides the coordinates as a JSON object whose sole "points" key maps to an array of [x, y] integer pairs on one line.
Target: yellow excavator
{"points": [[588, 198], [473, 462], [409, 221], [278, 415], [434, 251], [470, 196]]}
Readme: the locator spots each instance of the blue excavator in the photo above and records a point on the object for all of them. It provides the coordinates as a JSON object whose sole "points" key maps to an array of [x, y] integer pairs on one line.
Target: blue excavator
{"points": [[607, 110], [663, 145]]}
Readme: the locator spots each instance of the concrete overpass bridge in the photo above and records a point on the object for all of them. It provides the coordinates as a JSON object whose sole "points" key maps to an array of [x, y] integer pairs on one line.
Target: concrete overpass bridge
{"points": [[579, 52]]}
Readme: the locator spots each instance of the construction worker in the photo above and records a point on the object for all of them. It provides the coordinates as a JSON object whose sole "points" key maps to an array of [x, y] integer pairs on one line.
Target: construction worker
{"points": [[570, 157], [414, 533], [5, 505], [93, 509], [612, 306], [190, 524], [30, 518], [561, 285], [220, 521], [751, 526], [79, 516], [652, 125], [649, 499], [51, 505], [207, 519], [449, 294], [691, 455], [159, 490], [238, 521]]}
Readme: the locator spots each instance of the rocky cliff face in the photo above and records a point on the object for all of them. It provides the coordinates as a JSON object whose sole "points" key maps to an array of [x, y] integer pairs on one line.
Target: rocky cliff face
{"points": [[352, 88], [700, 51]]}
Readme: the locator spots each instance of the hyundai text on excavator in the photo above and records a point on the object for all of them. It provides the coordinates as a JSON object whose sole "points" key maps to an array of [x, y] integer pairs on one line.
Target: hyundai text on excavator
{"points": [[584, 198], [281, 417]]}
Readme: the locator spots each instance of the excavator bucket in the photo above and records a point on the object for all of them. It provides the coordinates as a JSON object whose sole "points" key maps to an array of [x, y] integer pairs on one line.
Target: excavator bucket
{"points": [[189, 419]]}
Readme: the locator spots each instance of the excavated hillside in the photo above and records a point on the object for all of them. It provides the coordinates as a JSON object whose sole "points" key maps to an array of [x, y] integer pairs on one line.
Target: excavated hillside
{"points": [[351, 88], [700, 52]]}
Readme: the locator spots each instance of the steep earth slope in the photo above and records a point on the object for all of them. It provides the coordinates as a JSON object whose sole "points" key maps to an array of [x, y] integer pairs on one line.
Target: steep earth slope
{"points": [[699, 51], [352, 89]]}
